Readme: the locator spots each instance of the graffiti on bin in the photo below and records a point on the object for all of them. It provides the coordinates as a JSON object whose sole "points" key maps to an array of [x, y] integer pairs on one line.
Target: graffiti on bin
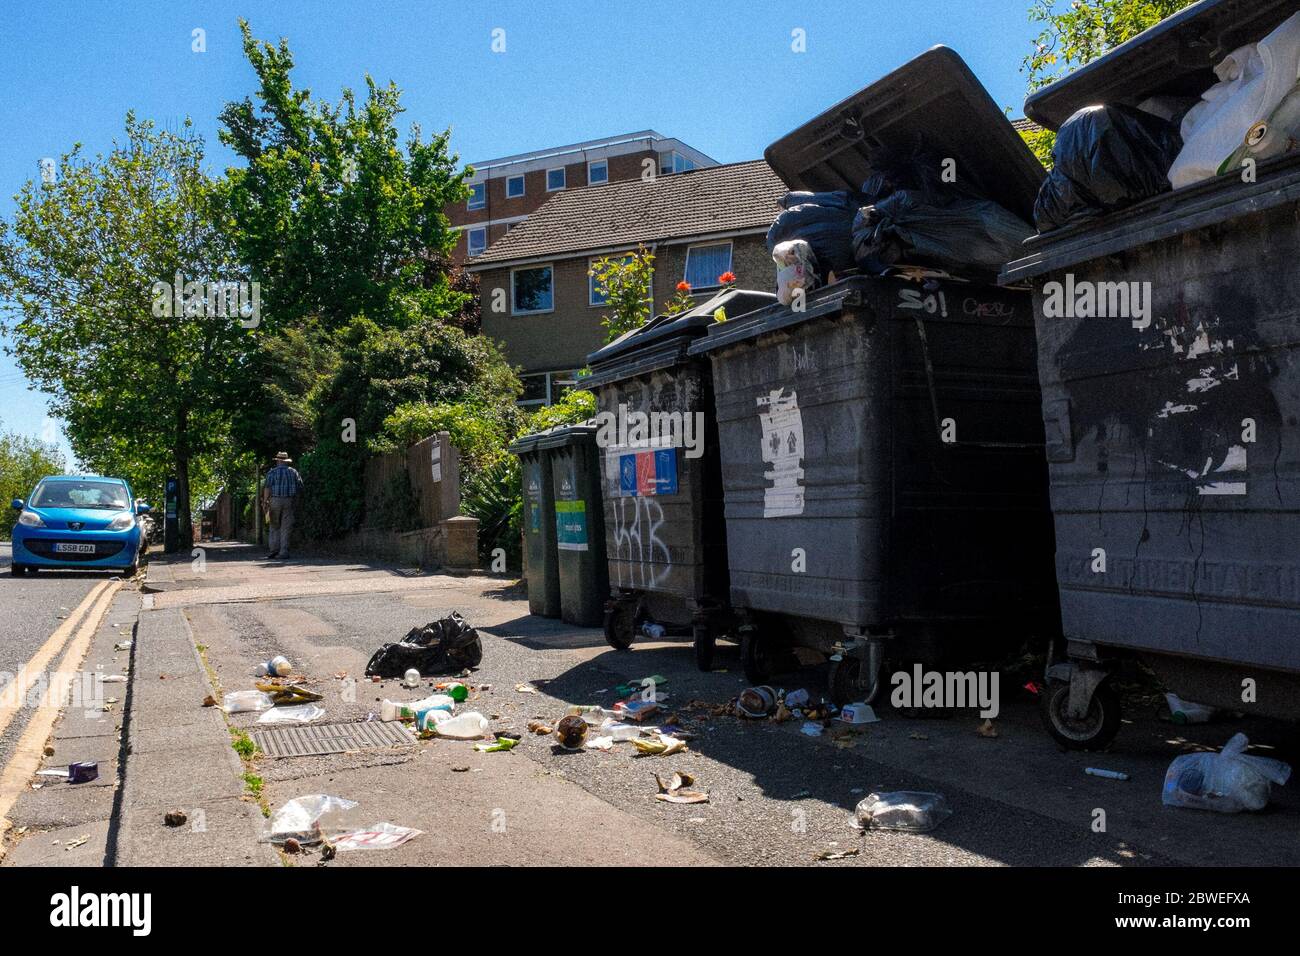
{"points": [[637, 545], [1202, 401], [782, 447]]}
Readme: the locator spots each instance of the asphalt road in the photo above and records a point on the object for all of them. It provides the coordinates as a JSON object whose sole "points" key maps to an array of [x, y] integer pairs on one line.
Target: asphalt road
{"points": [[31, 608], [776, 796]]}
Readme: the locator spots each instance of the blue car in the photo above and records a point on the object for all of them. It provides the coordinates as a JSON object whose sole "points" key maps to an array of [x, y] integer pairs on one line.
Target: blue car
{"points": [[79, 522]]}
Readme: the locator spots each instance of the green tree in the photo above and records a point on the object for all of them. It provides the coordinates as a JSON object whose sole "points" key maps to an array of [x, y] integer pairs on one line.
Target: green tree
{"points": [[113, 271], [23, 462], [625, 283]]}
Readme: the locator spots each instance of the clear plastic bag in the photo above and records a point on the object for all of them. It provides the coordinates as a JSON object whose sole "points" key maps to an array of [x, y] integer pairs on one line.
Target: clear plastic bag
{"points": [[246, 701], [293, 714], [300, 818], [1227, 782], [911, 810]]}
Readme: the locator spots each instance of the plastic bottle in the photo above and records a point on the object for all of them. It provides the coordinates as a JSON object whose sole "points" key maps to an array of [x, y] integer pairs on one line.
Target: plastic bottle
{"points": [[456, 691], [411, 678], [467, 726], [411, 710], [277, 666], [432, 718], [652, 630]]}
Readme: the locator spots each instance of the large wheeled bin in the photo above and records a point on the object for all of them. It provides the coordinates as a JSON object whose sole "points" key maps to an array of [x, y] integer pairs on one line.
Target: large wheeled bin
{"points": [[541, 562], [576, 462], [665, 537], [1173, 434], [882, 448]]}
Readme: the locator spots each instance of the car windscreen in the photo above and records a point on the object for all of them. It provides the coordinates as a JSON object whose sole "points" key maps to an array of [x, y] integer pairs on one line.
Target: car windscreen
{"points": [[105, 495]]}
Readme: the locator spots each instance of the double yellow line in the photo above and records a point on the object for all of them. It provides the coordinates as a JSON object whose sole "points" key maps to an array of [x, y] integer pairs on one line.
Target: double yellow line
{"points": [[26, 759]]}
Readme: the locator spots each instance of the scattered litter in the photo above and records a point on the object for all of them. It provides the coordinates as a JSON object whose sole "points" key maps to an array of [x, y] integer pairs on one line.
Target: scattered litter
{"points": [[292, 846], [838, 854], [601, 743], [292, 714], [910, 810], [414, 710], [619, 732], [526, 688], [175, 818], [1227, 782], [440, 646], [571, 732], [858, 714], [1188, 712], [637, 710], [299, 819], [987, 729], [914, 735], [113, 679], [286, 694], [796, 698], [278, 666], [83, 772], [541, 728], [500, 744], [653, 682], [49, 751], [659, 746], [73, 844], [246, 701], [327, 850], [381, 836], [456, 690], [209, 701], [756, 702], [460, 769], [677, 789], [467, 726], [122, 646], [54, 772], [811, 728], [1108, 774], [411, 678]]}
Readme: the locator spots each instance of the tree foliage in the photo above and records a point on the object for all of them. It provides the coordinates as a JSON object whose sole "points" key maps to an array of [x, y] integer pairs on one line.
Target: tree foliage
{"points": [[23, 462], [144, 389], [625, 283]]}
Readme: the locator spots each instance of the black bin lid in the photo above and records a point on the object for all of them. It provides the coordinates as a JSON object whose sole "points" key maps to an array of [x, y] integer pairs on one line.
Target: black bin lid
{"points": [[692, 323], [934, 99], [1174, 57]]}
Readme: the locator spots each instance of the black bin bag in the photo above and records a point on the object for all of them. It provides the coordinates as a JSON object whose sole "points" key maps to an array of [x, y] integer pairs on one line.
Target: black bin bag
{"points": [[440, 647], [825, 223], [1106, 158]]}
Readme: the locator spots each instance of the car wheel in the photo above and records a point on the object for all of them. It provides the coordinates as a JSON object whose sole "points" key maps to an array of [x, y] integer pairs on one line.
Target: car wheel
{"points": [[17, 570]]}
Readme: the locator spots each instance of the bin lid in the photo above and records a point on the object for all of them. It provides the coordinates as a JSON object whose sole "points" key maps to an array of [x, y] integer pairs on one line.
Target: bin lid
{"points": [[525, 444], [828, 300], [620, 358], [563, 435], [1174, 57], [934, 100]]}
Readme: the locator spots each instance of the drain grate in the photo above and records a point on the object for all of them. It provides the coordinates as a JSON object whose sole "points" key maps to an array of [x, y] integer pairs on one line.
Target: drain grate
{"points": [[331, 738]]}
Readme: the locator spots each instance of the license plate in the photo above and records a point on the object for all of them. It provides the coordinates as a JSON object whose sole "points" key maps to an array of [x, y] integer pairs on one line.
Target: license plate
{"points": [[66, 547]]}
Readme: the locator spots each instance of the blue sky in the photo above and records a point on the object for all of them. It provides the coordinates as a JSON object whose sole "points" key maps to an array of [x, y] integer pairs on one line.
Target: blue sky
{"points": [[719, 75]]}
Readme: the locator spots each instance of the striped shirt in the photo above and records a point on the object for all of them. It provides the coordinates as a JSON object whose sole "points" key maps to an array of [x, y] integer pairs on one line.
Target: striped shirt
{"points": [[283, 481]]}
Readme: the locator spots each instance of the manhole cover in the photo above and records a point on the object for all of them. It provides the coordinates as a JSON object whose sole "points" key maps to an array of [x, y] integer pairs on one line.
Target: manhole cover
{"points": [[331, 738]]}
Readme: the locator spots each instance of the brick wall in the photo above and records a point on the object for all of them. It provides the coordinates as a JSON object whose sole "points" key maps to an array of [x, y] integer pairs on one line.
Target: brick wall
{"points": [[564, 337]]}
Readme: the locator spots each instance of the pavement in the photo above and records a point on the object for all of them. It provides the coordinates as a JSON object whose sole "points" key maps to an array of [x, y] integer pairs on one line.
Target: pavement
{"points": [[776, 796]]}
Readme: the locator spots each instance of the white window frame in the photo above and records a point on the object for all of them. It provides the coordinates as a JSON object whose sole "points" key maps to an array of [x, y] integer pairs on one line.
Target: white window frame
{"points": [[469, 246], [561, 170], [523, 186], [591, 282], [598, 162], [470, 204], [541, 265], [686, 265]]}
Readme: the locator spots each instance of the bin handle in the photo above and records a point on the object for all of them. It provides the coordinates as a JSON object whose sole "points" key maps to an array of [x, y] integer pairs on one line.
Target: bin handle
{"points": [[934, 403]]}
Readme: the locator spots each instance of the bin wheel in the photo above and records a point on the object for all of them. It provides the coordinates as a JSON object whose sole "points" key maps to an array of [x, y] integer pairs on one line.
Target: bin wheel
{"points": [[705, 642], [845, 682], [1095, 731], [620, 625], [756, 656]]}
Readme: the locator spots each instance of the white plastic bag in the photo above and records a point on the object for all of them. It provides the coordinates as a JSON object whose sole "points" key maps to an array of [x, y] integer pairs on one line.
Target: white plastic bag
{"points": [[246, 701], [293, 714], [1253, 79], [796, 269], [911, 810], [300, 818], [1226, 782], [380, 836]]}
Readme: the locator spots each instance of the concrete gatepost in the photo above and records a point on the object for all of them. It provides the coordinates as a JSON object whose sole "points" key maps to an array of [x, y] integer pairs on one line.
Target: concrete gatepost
{"points": [[460, 539]]}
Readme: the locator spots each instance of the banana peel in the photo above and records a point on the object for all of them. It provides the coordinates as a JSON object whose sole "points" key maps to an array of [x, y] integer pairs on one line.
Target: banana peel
{"points": [[282, 694], [660, 746]]}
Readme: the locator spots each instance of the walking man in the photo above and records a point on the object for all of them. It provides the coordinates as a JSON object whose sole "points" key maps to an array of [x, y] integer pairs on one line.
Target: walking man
{"points": [[283, 486]]}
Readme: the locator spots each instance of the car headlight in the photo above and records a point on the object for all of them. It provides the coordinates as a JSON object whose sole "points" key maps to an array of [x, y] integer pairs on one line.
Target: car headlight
{"points": [[30, 519], [122, 522]]}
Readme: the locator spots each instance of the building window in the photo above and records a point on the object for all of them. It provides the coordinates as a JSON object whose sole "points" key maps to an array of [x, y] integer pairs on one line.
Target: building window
{"points": [[514, 187], [594, 296], [674, 162], [554, 179], [597, 173], [535, 389], [532, 290], [476, 240], [477, 196], [705, 263], [547, 388]]}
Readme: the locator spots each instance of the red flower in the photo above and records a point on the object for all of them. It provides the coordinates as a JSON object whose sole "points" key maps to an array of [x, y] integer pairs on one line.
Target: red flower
{"points": [[683, 286], [727, 278]]}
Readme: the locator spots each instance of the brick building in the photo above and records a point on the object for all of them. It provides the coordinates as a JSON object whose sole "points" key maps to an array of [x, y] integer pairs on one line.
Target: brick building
{"points": [[538, 300], [507, 190]]}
